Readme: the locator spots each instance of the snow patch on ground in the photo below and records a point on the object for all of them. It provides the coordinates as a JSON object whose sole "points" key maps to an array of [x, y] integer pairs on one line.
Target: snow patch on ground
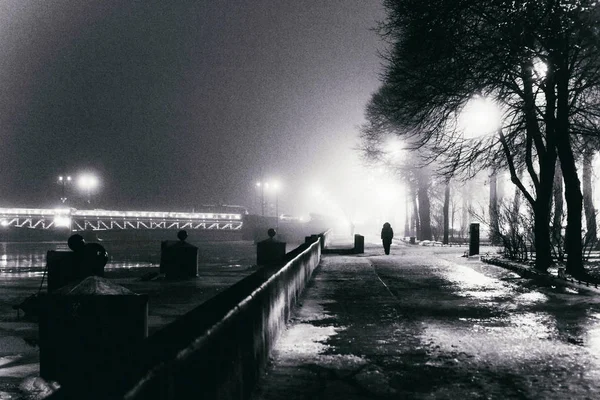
{"points": [[305, 339]]}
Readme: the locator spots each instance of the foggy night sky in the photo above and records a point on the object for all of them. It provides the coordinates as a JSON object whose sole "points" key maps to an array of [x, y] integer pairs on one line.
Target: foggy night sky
{"points": [[181, 103]]}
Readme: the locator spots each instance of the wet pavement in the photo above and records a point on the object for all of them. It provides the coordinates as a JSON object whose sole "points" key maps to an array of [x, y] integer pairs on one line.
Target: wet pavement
{"points": [[426, 323]]}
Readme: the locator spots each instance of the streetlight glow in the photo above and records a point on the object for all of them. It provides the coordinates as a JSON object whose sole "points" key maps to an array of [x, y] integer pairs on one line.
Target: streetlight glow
{"points": [[479, 117], [88, 182]]}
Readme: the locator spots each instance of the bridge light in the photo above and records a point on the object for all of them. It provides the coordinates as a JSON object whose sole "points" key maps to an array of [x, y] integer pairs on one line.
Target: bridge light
{"points": [[61, 221]]}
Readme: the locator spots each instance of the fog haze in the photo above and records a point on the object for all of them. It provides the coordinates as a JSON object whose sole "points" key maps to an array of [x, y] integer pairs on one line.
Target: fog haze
{"points": [[177, 104]]}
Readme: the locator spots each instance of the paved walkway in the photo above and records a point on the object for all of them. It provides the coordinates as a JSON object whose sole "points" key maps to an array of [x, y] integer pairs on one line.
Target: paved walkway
{"points": [[425, 323]]}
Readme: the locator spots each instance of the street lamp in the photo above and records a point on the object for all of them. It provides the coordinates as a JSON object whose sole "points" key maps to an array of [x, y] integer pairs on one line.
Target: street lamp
{"points": [[276, 190], [88, 182], [268, 186], [480, 116], [262, 196], [63, 181]]}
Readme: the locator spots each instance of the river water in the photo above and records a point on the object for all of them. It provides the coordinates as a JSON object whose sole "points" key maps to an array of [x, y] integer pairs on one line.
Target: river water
{"points": [[220, 265], [29, 258]]}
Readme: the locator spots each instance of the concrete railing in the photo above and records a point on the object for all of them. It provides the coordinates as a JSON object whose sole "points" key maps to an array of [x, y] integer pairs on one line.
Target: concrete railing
{"points": [[219, 349]]}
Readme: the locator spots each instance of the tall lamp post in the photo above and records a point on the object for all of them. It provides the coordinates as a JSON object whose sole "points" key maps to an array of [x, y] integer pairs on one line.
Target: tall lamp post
{"points": [[276, 190], [63, 181], [261, 187], [269, 186], [88, 183]]}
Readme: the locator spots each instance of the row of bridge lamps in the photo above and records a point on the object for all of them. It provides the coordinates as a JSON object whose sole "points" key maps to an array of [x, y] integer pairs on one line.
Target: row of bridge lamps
{"points": [[86, 182]]}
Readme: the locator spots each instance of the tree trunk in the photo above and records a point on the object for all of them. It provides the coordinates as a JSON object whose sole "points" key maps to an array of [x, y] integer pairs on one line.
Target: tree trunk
{"points": [[515, 212], [558, 213], [406, 216], [424, 209], [446, 212], [416, 222], [547, 163], [588, 205], [465, 211], [543, 250], [574, 201], [495, 235], [573, 194]]}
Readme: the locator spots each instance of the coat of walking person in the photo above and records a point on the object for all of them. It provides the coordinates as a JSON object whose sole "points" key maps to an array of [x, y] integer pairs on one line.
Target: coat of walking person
{"points": [[387, 233]]}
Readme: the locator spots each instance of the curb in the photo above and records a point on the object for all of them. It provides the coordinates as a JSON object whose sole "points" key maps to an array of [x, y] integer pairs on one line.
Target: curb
{"points": [[527, 272]]}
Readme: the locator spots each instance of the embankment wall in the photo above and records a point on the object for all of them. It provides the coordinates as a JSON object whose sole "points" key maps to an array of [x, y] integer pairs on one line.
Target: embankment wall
{"points": [[219, 349]]}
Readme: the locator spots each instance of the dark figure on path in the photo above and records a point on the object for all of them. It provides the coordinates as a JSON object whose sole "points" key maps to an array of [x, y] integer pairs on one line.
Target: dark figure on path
{"points": [[387, 233]]}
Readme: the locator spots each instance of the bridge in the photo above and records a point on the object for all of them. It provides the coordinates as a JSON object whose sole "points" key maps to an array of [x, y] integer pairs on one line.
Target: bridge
{"points": [[105, 220]]}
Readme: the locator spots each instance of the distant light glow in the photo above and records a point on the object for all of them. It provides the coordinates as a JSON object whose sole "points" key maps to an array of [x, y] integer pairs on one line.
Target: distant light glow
{"points": [[481, 116], [540, 68], [88, 182], [4, 222], [394, 149], [387, 192], [62, 221]]}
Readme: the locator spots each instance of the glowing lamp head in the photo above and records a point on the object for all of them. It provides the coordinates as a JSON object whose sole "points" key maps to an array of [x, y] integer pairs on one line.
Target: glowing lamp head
{"points": [[88, 182]]}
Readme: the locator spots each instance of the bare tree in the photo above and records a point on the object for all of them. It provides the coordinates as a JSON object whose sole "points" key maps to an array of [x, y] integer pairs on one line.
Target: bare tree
{"points": [[442, 53]]}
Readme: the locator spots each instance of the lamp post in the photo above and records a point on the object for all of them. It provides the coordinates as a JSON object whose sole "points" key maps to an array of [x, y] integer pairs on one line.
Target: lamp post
{"points": [[269, 186], [63, 181], [482, 116], [87, 183], [261, 186], [276, 190]]}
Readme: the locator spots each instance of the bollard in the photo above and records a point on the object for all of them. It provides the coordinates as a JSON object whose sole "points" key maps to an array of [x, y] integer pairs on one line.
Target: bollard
{"points": [[86, 259], [359, 244], [87, 327], [270, 251], [178, 260], [163, 254], [473, 239], [62, 269]]}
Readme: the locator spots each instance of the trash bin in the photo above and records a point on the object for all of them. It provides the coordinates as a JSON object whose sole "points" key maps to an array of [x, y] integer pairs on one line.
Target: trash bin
{"points": [[359, 244], [473, 239], [87, 329]]}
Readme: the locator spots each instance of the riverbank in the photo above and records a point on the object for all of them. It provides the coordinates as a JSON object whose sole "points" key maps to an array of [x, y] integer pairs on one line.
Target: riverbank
{"points": [[221, 264]]}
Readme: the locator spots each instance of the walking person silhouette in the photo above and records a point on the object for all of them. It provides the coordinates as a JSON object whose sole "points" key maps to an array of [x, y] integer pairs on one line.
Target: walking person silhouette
{"points": [[387, 233]]}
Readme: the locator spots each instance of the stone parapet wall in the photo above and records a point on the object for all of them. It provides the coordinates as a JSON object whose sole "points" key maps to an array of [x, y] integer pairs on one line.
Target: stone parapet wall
{"points": [[219, 349]]}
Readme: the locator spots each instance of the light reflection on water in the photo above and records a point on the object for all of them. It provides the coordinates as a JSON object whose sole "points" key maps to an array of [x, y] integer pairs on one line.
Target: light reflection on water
{"points": [[29, 258]]}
